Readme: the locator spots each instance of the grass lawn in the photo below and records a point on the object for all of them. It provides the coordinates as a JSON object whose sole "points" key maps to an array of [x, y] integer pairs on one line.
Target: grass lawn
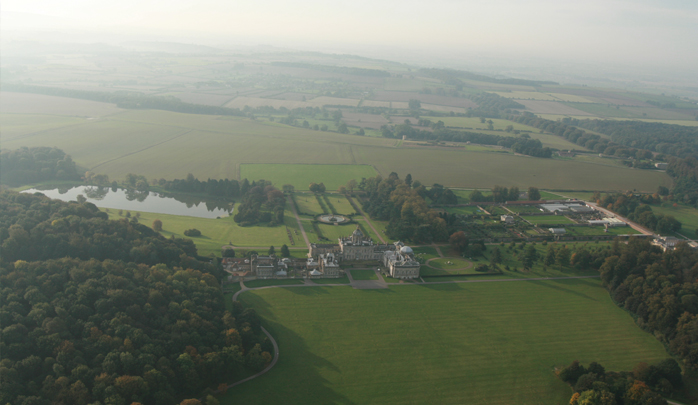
{"points": [[265, 283], [363, 275], [308, 204], [340, 203], [218, 232], [450, 263], [301, 175], [341, 280], [492, 343], [688, 216], [599, 230], [547, 219], [470, 210]]}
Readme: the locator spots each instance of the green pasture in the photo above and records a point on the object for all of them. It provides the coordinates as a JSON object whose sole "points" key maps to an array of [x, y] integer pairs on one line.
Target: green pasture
{"points": [[488, 342], [218, 232], [547, 195], [688, 216], [547, 219], [301, 175], [363, 275]]}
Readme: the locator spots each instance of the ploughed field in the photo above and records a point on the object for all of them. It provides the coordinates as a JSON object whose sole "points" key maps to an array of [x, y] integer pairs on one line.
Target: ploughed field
{"points": [[475, 343]]}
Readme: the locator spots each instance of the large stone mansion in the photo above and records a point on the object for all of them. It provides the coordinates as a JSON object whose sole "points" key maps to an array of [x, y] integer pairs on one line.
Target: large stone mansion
{"points": [[396, 257]]}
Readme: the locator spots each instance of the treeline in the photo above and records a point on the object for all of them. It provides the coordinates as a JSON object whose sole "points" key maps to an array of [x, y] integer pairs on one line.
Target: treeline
{"points": [[491, 105], [448, 75], [685, 174], [218, 188], [32, 165], [643, 386], [660, 289], [262, 203], [100, 311], [522, 144], [502, 194], [577, 136], [128, 100], [669, 139], [637, 209], [410, 218], [355, 71]]}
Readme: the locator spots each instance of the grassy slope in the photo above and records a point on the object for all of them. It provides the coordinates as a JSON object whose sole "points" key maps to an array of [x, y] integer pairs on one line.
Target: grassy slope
{"points": [[488, 342], [218, 232]]}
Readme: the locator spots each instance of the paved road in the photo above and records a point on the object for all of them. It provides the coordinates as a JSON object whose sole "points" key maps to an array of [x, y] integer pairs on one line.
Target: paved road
{"points": [[298, 219], [363, 214], [632, 224]]}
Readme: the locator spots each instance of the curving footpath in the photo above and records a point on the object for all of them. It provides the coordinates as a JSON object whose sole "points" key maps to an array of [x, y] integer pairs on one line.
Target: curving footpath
{"points": [[276, 346]]}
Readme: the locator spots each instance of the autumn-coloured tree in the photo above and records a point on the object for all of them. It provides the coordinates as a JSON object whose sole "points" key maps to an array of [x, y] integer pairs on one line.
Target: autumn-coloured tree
{"points": [[191, 401], [157, 225], [459, 241]]}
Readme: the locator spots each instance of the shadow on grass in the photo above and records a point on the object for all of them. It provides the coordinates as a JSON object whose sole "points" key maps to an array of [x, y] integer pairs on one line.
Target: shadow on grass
{"points": [[557, 286], [446, 286], [296, 379]]}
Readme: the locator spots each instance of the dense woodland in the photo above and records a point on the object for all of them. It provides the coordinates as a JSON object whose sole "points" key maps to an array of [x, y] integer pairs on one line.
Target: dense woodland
{"points": [[669, 139], [355, 71], [659, 289], [593, 385], [105, 311], [33, 165], [400, 203]]}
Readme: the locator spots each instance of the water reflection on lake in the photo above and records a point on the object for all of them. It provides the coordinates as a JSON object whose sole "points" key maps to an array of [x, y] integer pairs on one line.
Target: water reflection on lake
{"points": [[106, 197]]}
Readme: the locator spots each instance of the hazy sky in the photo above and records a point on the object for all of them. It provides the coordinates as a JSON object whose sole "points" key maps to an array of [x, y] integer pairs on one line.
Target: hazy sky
{"points": [[650, 32]]}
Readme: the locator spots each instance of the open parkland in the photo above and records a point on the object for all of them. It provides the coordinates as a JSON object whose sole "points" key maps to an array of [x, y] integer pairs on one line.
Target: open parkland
{"points": [[451, 336]]}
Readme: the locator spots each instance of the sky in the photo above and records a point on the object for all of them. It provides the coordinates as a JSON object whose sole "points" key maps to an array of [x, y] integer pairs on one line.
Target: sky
{"points": [[651, 33]]}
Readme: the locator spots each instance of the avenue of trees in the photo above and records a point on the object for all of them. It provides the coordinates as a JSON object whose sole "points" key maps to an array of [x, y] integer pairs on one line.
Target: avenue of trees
{"points": [[637, 208], [32, 165], [410, 218], [521, 144], [99, 311]]}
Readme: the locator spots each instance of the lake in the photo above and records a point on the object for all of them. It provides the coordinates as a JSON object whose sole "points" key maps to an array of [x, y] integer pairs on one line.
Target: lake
{"points": [[128, 200]]}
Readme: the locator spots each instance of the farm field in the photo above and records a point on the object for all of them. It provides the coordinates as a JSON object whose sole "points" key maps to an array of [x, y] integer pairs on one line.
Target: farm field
{"points": [[154, 143], [489, 334], [218, 232], [301, 175], [14, 125], [24, 103]]}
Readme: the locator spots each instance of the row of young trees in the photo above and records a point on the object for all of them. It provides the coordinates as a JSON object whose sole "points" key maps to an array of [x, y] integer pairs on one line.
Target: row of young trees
{"points": [[94, 310], [33, 165], [521, 144]]}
